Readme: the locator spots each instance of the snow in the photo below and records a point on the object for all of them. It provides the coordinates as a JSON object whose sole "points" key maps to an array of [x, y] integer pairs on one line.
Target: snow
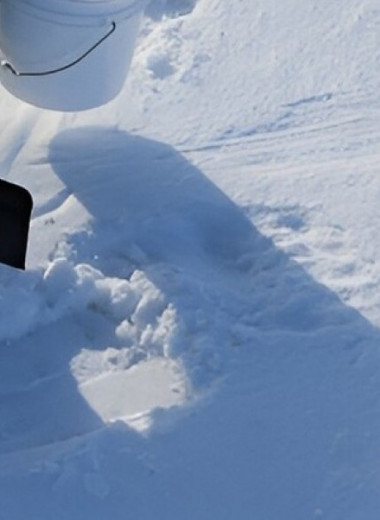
{"points": [[196, 334]]}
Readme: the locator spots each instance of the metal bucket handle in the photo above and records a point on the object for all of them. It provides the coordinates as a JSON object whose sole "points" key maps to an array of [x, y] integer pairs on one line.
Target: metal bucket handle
{"points": [[9, 66]]}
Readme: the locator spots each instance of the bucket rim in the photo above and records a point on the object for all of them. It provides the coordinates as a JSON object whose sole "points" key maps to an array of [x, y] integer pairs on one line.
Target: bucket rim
{"points": [[83, 8]]}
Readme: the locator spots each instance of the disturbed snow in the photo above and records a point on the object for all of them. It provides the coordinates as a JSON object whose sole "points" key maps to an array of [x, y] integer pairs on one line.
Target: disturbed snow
{"points": [[196, 335]]}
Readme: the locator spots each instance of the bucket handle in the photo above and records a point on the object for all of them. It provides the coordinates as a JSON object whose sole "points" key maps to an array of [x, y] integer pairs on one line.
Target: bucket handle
{"points": [[9, 66]]}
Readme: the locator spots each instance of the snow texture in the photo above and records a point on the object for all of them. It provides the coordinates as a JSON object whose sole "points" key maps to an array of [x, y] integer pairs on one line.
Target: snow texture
{"points": [[196, 336]]}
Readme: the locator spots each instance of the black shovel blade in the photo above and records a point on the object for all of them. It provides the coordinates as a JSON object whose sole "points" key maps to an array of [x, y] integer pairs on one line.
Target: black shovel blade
{"points": [[16, 205]]}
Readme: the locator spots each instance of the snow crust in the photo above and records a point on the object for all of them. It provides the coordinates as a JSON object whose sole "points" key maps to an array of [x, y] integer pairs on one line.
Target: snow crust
{"points": [[197, 332]]}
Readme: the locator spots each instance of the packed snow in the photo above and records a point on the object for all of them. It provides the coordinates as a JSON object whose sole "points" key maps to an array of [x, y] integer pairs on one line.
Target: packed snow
{"points": [[196, 335]]}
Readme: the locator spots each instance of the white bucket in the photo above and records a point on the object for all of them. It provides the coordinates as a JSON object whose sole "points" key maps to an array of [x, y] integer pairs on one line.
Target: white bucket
{"points": [[67, 55]]}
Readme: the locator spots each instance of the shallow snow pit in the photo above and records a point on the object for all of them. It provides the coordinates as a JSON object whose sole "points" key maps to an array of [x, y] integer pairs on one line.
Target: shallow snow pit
{"points": [[127, 394]]}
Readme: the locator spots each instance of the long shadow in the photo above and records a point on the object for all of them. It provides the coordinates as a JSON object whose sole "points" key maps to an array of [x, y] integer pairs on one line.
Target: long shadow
{"points": [[232, 287], [136, 186], [297, 421], [153, 210]]}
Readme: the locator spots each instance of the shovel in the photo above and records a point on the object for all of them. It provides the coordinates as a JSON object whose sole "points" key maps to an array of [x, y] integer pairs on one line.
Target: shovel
{"points": [[16, 205]]}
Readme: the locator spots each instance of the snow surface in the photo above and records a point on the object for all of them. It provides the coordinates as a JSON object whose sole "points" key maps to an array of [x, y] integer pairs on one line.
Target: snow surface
{"points": [[197, 332]]}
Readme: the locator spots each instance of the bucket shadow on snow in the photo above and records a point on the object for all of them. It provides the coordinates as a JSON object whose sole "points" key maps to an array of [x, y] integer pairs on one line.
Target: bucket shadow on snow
{"points": [[306, 351], [150, 207], [147, 194], [154, 211]]}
